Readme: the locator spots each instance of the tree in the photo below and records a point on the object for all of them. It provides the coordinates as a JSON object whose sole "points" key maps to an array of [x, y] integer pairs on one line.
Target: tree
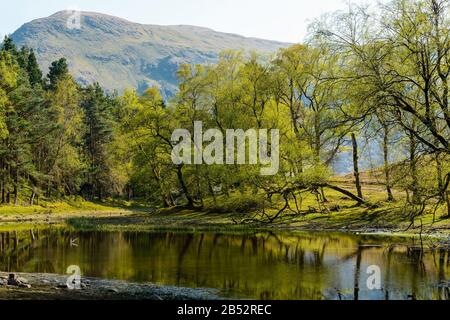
{"points": [[66, 164], [33, 69], [58, 71], [98, 110], [402, 58], [8, 45]]}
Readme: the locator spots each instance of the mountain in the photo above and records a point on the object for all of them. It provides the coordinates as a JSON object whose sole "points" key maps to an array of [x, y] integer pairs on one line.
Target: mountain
{"points": [[121, 54]]}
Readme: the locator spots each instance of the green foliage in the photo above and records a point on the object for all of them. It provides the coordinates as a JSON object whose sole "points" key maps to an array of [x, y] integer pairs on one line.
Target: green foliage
{"points": [[58, 70], [386, 80]]}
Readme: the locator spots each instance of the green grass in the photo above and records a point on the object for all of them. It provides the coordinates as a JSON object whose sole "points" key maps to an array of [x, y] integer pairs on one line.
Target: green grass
{"points": [[227, 214], [338, 213], [54, 207], [57, 211]]}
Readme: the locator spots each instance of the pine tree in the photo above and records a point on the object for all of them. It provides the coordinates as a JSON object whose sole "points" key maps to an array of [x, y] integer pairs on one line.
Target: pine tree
{"points": [[58, 70], [33, 69], [9, 45], [99, 124]]}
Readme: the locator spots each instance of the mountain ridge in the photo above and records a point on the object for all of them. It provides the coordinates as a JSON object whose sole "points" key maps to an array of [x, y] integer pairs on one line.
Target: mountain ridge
{"points": [[121, 54]]}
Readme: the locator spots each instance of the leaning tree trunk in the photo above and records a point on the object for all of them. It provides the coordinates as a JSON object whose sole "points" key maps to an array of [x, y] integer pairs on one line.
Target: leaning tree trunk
{"points": [[184, 188], [356, 167], [346, 192]]}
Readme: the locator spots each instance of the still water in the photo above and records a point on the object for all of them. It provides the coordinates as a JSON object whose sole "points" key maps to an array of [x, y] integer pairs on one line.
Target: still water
{"points": [[255, 266]]}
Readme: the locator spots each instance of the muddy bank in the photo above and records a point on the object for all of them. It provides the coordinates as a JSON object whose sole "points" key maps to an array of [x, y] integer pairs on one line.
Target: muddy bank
{"points": [[37, 286]]}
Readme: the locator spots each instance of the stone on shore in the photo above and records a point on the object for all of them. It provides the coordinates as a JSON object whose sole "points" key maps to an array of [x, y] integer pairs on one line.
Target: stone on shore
{"points": [[14, 280]]}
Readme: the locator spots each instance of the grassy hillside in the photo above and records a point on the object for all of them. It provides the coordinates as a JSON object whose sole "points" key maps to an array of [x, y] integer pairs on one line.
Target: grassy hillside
{"points": [[121, 54]]}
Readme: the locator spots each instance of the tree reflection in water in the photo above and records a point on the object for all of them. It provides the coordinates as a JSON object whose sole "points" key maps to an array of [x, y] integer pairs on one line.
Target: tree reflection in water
{"points": [[261, 265]]}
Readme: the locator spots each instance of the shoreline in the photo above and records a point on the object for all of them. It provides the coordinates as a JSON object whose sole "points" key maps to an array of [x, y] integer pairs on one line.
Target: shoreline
{"points": [[44, 286], [182, 220], [51, 286]]}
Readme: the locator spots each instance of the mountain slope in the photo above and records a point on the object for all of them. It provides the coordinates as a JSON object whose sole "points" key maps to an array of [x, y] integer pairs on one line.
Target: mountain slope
{"points": [[120, 54]]}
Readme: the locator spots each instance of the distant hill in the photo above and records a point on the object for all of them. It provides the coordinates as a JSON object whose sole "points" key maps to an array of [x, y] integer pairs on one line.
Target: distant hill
{"points": [[121, 54]]}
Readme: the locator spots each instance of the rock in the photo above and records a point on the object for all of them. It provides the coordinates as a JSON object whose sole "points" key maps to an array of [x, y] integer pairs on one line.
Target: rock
{"points": [[86, 282], [113, 290], [12, 280], [62, 286], [20, 282]]}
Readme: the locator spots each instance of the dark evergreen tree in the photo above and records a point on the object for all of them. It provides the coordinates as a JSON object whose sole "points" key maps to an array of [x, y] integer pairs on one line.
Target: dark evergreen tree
{"points": [[9, 45], [57, 71], [98, 109], [33, 69]]}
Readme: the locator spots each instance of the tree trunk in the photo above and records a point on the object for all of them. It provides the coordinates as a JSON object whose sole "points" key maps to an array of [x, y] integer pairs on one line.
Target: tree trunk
{"points": [[15, 190], [356, 167], [167, 201], [211, 191], [442, 187], [129, 193], [317, 137], [347, 193], [357, 274], [447, 199], [386, 163], [413, 169], [184, 188], [3, 190], [33, 194], [446, 193]]}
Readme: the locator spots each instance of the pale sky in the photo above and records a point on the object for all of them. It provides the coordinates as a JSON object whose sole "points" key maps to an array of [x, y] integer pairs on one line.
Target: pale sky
{"points": [[283, 20]]}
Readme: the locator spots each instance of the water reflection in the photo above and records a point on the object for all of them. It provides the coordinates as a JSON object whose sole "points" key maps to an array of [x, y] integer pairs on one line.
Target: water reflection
{"points": [[261, 266]]}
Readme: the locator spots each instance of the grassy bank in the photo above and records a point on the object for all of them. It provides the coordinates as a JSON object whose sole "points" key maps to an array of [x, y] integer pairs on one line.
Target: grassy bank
{"points": [[241, 212], [58, 211]]}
